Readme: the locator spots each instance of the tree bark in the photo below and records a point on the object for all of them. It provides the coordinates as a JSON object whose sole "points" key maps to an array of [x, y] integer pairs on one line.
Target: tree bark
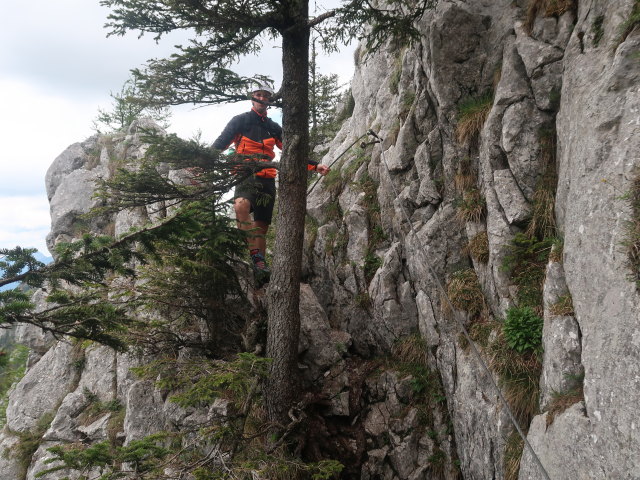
{"points": [[284, 288]]}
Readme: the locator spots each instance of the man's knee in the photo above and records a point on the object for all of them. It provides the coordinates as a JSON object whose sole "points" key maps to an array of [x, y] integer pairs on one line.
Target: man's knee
{"points": [[242, 207]]}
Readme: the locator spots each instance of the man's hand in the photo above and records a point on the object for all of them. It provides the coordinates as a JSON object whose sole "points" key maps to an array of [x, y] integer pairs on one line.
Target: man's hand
{"points": [[193, 174], [322, 169]]}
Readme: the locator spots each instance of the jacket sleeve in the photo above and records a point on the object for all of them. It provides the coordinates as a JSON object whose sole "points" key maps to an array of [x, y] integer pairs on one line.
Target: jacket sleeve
{"points": [[228, 134]]}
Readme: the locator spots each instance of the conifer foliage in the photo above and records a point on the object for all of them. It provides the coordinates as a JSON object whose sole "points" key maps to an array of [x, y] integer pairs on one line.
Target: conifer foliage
{"points": [[184, 266], [200, 73], [194, 247]]}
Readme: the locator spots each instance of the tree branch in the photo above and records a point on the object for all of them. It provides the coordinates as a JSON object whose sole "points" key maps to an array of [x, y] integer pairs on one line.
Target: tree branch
{"points": [[321, 18]]}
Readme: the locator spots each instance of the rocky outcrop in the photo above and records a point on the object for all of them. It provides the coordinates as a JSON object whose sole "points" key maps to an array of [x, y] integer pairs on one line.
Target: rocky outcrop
{"points": [[565, 90], [394, 225]]}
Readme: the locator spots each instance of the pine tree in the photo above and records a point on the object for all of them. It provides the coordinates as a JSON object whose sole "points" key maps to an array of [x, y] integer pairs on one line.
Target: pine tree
{"points": [[324, 99], [197, 241], [226, 30], [199, 73], [125, 109]]}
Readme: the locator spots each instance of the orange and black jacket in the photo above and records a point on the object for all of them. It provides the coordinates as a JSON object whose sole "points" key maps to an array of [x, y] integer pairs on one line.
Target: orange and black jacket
{"points": [[256, 136]]}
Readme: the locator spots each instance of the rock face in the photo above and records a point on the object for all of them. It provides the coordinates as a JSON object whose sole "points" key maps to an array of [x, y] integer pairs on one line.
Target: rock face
{"points": [[435, 198], [567, 90]]}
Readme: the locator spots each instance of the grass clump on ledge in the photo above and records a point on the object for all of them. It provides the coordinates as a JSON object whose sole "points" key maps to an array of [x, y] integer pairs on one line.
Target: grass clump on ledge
{"points": [[512, 456], [563, 307], [519, 376], [465, 176], [630, 23], [526, 262], [478, 247], [543, 221], [563, 400], [597, 29], [632, 240], [29, 442], [465, 293], [471, 207], [472, 114]]}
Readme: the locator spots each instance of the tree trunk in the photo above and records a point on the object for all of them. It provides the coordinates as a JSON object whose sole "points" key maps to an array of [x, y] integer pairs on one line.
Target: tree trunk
{"points": [[284, 288]]}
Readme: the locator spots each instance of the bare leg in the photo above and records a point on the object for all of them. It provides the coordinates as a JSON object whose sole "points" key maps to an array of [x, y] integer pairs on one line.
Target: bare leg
{"points": [[256, 230]]}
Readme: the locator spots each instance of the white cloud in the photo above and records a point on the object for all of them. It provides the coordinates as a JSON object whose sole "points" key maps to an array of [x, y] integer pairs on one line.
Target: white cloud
{"points": [[56, 69], [35, 128], [24, 221], [64, 47]]}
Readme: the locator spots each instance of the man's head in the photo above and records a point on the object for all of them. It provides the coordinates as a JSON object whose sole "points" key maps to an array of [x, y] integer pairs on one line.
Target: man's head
{"points": [[261, 97]]}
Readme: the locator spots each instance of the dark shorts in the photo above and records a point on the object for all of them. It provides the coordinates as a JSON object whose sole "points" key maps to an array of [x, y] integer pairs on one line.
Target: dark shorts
{"points": [[261, 193]]}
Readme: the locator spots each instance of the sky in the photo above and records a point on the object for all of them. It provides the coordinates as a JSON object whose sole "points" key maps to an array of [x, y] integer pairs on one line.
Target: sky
{"points": [[57, 68]]}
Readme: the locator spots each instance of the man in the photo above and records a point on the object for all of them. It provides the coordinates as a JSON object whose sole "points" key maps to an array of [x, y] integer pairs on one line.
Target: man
{"points": [[255, 135]]}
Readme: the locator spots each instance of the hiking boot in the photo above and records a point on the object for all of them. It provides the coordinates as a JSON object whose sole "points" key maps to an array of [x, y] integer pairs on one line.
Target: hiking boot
{"points": [[260, 269]]}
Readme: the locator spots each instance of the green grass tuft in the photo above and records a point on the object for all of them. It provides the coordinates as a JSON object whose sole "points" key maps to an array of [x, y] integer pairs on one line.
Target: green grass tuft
{"points": [[632, 236], [630, 23], [472, 114], [471, 207]]}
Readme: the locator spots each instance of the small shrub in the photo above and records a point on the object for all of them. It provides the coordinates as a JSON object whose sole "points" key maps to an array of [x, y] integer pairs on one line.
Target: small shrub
{"points": [[472, 113], [555, 96], [337, 242], [349, 105], [371, 265], [333, 182], [357, 54], [497, 75], [478, 247], [471, 207], [564, 306], [543, 220], [369, 187], [394, 131], [465, 293], [363, 300], [409, 357], [523, 330], [28, 442], [333, 211], [406, 103], [96, 408], [480, 332], [597, 30], [437, 463], [14, 363], [542, 223], [350, 169], [526, 261], [311, 230], [115, 425]]}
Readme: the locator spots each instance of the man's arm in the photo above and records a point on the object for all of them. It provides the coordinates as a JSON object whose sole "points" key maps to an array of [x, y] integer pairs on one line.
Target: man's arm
{"points": [[228, 134]]}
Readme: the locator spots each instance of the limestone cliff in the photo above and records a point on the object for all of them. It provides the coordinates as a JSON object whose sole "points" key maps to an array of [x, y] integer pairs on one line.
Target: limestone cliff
{"points": [[500, 125], [566, 83]]}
